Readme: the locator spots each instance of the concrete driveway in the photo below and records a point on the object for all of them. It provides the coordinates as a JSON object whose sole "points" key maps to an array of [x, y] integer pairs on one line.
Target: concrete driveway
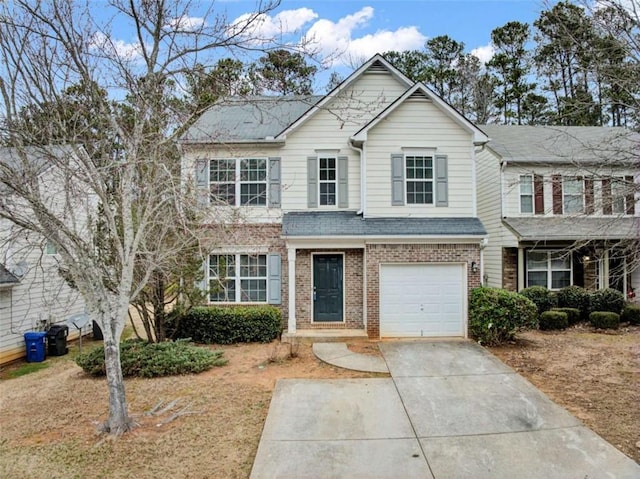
{"points": [[450, 410]]}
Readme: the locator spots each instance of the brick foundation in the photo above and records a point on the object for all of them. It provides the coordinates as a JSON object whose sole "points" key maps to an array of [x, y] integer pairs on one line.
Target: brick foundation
{"points": [[510, 269], [412, 253]]}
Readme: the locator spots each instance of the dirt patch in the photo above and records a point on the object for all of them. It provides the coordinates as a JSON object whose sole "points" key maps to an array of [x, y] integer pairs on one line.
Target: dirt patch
{"points": [[595, 375], [364, 347], [48, 418]]}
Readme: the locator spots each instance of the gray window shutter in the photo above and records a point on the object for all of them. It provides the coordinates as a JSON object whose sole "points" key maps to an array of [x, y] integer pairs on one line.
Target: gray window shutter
{"points": [[343, 182], [274, 182], [397, 179], [201, 284], [312, 181], [202, 181], [442, 193], [275, 278]]}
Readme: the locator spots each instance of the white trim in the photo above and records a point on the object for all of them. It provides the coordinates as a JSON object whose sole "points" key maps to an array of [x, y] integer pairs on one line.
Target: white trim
{"points": [[532, 194], [344, 286], [237, 279], [310, 242], [326, 182], [291, 259], [549, 270], [238, 182], [474, 187], [425, 157], [564, 181]]}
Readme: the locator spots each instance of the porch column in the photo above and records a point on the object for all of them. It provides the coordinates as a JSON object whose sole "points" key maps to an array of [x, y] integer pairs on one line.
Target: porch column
{"points": [[521, 268], [605, 270], [291, 257]]}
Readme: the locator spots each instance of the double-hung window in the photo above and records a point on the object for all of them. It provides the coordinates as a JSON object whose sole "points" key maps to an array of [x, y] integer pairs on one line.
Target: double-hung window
{"points": [[327, 180], [618, 196], [572, 195], [238, 278], [526, 194], [238, 182], [419, 179], [551, 269]]}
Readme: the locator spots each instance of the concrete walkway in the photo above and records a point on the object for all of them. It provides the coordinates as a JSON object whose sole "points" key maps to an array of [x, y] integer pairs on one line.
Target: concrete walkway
{"points": [[338, 354], [450, 410]]}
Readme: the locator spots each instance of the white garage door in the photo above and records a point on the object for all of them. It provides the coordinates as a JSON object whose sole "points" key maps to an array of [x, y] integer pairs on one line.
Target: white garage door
{"points": [[422, 300]]}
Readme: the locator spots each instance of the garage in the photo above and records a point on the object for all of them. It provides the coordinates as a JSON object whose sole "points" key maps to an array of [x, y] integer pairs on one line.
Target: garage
{"points": [[422, 300]]}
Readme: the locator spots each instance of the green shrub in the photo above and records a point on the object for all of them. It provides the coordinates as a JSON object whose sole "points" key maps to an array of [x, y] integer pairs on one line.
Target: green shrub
{"points": [[496, 315], [575, 297], [554, 319], [573, 314], [607, 300], [631, 314], [541, 297], [143, 359], [230, 325], [604, 320]]}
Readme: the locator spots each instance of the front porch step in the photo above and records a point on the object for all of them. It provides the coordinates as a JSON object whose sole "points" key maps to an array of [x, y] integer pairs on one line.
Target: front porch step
{"points": [[324, 335]]}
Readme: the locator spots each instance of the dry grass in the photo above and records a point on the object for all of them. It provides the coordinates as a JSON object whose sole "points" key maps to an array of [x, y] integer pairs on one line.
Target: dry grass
{"points": [[48, 418]]}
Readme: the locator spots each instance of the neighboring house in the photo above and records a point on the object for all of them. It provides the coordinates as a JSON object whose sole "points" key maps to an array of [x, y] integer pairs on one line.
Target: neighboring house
{"points": [[561, 206], [33, 295], [353, 211]]}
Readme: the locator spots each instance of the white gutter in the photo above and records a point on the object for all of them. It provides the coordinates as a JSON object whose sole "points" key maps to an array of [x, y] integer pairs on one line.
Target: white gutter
{"points": [[502, 197], [363, 176]]}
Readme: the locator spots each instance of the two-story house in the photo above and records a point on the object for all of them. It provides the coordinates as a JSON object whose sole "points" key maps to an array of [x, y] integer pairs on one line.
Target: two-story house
{"points": [[561, 207], [354, 211]]}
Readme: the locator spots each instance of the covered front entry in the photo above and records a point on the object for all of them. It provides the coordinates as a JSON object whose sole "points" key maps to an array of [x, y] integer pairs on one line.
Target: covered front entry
{"points": [[422, 300], [328, 287]]}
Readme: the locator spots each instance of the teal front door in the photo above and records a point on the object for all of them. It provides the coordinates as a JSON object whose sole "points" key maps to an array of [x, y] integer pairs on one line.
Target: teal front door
{"points": [[327, 287]]}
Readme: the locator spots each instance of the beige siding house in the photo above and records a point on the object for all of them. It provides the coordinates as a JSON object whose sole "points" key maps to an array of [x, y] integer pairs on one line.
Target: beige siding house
{"points": [[354, 212], [561, 207]]}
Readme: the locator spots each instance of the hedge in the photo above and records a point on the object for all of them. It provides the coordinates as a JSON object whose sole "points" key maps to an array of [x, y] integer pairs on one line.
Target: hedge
{"points": [[604, 320], [229, 325], [573, 314], [541, 297], [607, 299], [554, 319], [496, 315], [575, 297], [631, 314]]}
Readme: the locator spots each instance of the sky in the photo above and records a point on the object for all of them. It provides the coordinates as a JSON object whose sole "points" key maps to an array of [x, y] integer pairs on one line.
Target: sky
{"points": [[360, 28]]}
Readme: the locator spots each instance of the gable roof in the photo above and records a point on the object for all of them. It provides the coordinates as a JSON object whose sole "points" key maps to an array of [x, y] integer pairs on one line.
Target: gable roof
{"points": [[247, 119], [419, 90], [563, 144], [377, 63], [36, 157]]}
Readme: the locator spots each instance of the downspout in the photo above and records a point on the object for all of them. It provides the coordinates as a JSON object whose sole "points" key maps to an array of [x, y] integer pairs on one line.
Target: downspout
{"points": [[503, 165], [474, 195], [363, 179]]}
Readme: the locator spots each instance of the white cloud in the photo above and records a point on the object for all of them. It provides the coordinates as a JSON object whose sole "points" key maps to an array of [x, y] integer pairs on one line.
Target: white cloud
{"points": [[484, 54], [119, 48], [265, 27], [336, 42], [187, 23]]}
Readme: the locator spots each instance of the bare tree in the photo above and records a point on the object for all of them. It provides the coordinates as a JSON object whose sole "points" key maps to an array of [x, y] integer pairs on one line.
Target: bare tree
{"points": [[107, 206]]}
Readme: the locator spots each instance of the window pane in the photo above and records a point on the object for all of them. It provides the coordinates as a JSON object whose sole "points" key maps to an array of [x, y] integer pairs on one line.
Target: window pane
{"points": [[253, 266], [419, 192], [328, 194], [526, 185], [560, 261], [560, 279], [222, 170], [573, 204], [327, 169], [572, 186], [222, 290], [537, 260], [526, 204], [223, 193], [253, 194], [253, 170], [537, 278], [253, 290], [222, 265]]}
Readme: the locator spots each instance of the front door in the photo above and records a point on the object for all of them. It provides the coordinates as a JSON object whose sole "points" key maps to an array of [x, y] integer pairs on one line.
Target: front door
{"points": [[327, 287]]}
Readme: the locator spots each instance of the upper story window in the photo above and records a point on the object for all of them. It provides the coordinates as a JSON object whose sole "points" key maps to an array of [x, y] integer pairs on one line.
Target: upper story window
{"points": [[551, 269], [572, 195], [238, 182], [50, 248], [238, 278], [327, 180], [419, 179], [526, 194], [619, 196]]}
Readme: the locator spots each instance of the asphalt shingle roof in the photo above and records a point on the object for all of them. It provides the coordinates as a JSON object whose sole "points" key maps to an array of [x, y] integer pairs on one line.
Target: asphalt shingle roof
{"points": [[347, 223], [6, 277], [563, 144], [248, 119], [574, 229]]}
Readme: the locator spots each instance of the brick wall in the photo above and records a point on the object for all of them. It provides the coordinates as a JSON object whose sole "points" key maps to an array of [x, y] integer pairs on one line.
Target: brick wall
{"points": [[265, 236], [510, 269], [412, 253], [353, 274]]}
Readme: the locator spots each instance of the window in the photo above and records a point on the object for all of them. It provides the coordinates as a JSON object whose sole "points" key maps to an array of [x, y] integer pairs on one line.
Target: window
{"points": [[327, 180], [238, 278], [50, 248], [526, 194], [572, 195], [238, 182], [618, 196], [419, 179], [551, 269]]}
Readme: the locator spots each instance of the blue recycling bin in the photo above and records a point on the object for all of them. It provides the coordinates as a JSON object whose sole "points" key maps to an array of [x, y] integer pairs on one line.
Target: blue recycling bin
{"points": [[35, 343]]}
